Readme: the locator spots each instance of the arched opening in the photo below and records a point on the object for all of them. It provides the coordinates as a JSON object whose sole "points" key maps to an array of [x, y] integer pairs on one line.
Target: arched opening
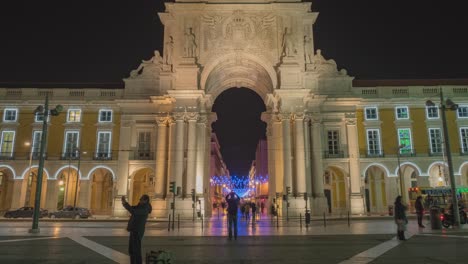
{"points": [[101, 192], [30, 184], [142, 183], [438, 175], [241, 135], [6, 188], [335, 186], [68, 187], [375, 190]]}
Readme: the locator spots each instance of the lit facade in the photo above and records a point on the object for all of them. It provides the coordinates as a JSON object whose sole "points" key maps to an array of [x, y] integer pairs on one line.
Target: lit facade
{"points": [[328, 137]]}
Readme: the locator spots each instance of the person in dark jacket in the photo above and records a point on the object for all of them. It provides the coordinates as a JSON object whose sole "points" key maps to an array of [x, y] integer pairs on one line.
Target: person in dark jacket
{"points": [[233, 201], [418, 205], [136, 226], [400, 217]]}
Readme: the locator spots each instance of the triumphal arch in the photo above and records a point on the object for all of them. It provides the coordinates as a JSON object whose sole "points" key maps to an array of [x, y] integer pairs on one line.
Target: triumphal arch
{"points": [[263, 45]]}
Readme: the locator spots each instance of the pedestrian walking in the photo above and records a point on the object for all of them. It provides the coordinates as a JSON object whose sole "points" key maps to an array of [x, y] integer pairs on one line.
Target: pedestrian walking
{"points": [[232, 200], [247, 210], [254, 211], [136, 226], [400, 218], [419, 210]]}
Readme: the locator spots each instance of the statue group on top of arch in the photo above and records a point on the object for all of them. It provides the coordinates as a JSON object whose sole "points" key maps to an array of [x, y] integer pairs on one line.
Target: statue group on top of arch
{"points": [[152, 67], [319, 64]]}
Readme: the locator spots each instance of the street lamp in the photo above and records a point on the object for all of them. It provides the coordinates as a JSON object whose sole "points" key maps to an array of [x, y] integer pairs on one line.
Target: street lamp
{"points": [[448, 105], [44, 111], [77, 175], [400, 176]]}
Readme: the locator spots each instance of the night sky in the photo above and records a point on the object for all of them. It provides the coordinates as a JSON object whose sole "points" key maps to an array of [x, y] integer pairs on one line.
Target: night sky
{"points": [[98, 42]]}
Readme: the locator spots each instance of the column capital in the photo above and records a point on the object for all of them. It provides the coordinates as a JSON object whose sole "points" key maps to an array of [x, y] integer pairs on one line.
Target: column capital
{"points": [[163, 119], [315, 118], [299, 115], [192, 116], [178, 116], [284, 116], [202, 118], [350, 118]]}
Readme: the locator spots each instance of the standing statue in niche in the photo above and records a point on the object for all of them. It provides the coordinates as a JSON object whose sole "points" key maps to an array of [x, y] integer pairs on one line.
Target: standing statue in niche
{"points": [[168, 50], [289, 49], [308, 54], [190, 46]]}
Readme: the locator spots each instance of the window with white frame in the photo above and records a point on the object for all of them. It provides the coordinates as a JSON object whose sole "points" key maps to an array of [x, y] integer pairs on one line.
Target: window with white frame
{"points": [[144, 145], [333, 142], [74, 115], [36, 145], [70, 149], [432, 112], [371, 113], [402, 112], [103, 150], [10, 115], [404, 139], [435, 140], [39, 117], [6, 143], [373, 142], [105, 115], [464, 139], [462, 111]]}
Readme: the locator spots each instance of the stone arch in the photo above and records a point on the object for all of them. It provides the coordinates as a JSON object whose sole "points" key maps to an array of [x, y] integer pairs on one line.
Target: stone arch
{"points": [[375, 184], [100, 190], [67, 186], [142, 180], [29, 186], [239, 70], [336, 187], [45, 172], [7, 176], [411, 175], [383, 167]]}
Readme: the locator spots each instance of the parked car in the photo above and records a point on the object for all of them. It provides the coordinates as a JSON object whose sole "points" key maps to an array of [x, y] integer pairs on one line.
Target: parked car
{"points": [[71, 212], [26, 211]]}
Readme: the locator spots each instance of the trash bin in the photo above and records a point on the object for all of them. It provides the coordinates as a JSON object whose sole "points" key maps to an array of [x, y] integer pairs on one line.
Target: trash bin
{"points": [[390, 210], [436, 223]]}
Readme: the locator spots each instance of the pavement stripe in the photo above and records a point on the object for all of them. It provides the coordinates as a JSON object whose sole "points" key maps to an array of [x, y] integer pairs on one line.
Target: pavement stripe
{"points": [[26, 239], [373, 253], [443, 235], [103, 250]]}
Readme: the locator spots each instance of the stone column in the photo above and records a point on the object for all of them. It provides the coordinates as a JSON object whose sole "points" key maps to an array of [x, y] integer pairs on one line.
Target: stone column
{"points": [[320, 204], [300, 154], [201, 147], [270, 119], [191, 151], [356, 197], [308, 164], [161, 151], [287, 155], [122, 182], [178, 164]]}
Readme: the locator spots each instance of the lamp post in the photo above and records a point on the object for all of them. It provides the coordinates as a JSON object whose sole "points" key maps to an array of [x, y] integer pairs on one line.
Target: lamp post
{"points": [[43, 110], [448, 105], [400, 176], [77, 176]]}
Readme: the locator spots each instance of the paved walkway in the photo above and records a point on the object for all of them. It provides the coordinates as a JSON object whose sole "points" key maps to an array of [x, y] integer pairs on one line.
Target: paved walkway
{"points": [[363, 241]]}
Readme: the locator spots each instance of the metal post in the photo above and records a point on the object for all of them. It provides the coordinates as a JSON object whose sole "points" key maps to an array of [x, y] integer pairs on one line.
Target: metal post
{"points": [[300, 220], [456, 213], [324, 220], [173, 210], [400, 176], [37, 198], [169, 223], [77, 178]]}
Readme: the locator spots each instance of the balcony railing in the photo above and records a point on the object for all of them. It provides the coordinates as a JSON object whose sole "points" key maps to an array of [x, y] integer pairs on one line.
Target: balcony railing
{"points": [[435, 153], [143, 155], [70, 155], [7, 155], [333, 154], [375, 154], [102, 155]]}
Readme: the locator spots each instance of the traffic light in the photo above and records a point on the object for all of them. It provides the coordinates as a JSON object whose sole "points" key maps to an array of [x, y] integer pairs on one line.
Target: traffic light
{"points": [[288, 190], [172, 187], [193, 195]]}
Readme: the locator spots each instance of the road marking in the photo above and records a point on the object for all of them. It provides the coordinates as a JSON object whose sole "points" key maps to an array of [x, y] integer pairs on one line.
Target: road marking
{"points": [[103, 250], [443, 235], [375, 252], [26, 239]]}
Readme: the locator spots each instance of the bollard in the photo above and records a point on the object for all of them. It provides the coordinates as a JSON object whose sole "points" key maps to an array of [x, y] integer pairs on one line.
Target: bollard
{"points": [[169, 224], [178, 221], [277, 221], [202, 222], [300, 220], [324, 220], [349, 223]]}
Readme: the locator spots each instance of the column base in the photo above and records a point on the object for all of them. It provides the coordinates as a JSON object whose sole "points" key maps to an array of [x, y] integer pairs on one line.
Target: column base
{"points": [[357, 204], [34, 230], [319, 205], [296, 207]]}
